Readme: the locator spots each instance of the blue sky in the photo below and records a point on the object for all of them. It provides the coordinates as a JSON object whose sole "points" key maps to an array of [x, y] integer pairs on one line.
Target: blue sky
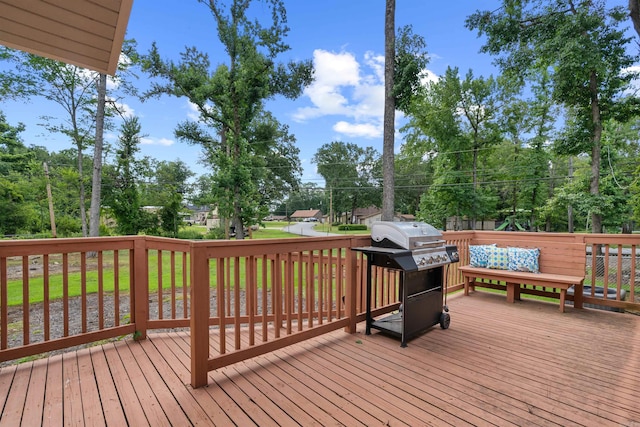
{"points": [[345, 39]]}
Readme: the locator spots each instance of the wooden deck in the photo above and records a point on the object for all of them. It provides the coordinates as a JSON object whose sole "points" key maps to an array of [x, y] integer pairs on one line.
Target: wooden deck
{"points": [[498, 364]]}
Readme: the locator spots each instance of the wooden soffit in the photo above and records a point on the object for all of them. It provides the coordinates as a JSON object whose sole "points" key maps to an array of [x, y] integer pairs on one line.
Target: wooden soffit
{"points": [[87, 33]]}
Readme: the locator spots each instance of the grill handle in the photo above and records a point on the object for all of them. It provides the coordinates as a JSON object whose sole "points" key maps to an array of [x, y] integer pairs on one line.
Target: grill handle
{"points": [[432, 243]]}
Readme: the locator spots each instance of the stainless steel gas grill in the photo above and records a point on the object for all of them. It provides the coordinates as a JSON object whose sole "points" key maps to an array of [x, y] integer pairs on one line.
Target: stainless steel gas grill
{"points": [[419, 252]]}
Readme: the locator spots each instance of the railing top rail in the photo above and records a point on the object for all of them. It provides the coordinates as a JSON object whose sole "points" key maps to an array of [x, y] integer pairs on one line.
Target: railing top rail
{"points": [[626, 239], [272, 246], [9, 248]]}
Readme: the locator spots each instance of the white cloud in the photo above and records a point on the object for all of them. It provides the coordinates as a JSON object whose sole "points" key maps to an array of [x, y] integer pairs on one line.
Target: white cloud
{"points": [[359, 130], [428, 76], [164, 142], [123, 110], [344, 87], [634, 86], [350, 89], [192, 111]]}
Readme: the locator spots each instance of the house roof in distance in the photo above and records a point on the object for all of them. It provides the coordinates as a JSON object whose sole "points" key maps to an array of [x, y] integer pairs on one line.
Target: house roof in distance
{"points": [[306, 213]]}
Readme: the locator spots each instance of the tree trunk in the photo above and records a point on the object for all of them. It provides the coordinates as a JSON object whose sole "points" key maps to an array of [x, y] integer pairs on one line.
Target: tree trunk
{"points": [[570, 208], [96, 183], [634, 13], [389, 113], [596, 218], [83, 211]]}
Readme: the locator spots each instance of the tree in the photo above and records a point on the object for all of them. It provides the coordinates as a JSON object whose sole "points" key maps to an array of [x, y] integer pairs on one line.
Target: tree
{"points": [[307, 196], [96, 178], [230, 98], [15, 161], [171, 190], [405, 62], [583, 47], [452, 123], [522, 161], [274, 163], [351, 173], [388, 171], [72, 89], [123, 198]]}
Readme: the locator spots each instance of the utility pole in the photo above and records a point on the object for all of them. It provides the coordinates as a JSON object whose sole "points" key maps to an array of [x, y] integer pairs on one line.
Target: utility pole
{"points": [[50, 197], [330, 207]]}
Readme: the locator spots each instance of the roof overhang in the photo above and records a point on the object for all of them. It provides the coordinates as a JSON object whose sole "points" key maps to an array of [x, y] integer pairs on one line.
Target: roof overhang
{"points": [[87, 33]]}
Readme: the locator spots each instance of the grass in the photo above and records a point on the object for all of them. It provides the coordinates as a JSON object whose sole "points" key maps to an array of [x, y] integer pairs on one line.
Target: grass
{"points": [[74, 278], [272, 230], [272, 233], [328, 228]]}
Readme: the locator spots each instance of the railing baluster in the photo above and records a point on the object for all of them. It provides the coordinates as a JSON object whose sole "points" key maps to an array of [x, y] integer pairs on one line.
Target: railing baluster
{"points": [[265, 297], [310, 288], [100, 291], [173, 284], [220, 269], [288, 291], [4, 306], [300, 300], [65, 292], [236, 301], [83, 289], [619, 274], [251, 291], [340, 280], [185, 295], [116, 288], [160, 304], [277, 303], [25, 300], [45, 297], [632, 275]]}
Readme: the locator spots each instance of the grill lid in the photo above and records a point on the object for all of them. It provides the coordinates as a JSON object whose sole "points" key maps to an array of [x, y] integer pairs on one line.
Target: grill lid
{"points": [[405, 235]]}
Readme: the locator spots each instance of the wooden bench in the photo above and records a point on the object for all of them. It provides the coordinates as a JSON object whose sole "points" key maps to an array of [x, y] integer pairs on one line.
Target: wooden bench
{"points": [[562, 265]]}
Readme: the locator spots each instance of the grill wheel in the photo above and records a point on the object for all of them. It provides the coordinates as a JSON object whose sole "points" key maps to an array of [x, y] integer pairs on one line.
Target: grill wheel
{"points": [[445, 320]]}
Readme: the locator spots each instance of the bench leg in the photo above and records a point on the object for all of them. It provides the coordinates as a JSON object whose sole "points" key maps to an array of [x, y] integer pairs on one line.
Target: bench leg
{"points": [[577, 296], [516, 291], [467, 285], [563, 295], [511, 292]]}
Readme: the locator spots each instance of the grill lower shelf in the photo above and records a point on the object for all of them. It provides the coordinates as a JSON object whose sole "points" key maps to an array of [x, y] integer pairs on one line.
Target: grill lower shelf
{"points": [[419, 313]]}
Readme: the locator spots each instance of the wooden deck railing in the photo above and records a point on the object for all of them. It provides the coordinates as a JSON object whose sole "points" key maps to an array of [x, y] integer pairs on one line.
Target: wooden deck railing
{"points": [[612, 273], [60, 293]]}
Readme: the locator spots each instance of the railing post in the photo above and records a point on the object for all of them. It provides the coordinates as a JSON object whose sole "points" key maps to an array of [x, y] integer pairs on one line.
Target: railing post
{"points": [[140, 293], [199, 317], [352, 275]]}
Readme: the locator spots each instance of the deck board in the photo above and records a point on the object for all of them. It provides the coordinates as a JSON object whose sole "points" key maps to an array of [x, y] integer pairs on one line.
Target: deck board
{"points": [[35, 396], [498, 364]]}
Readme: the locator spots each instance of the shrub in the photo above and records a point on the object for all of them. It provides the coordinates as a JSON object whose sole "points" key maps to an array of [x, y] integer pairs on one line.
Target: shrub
{"points": [[190, 234], [215, 234], [352, 227]]}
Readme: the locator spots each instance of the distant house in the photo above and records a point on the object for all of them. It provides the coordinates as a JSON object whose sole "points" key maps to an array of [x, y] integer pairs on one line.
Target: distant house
{"points": [[372, 214], [366, 215], [199, 214], [307, 215]]}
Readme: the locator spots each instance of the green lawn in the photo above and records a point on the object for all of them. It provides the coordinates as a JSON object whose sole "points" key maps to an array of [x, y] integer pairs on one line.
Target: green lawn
{"points": [[272, 230]]}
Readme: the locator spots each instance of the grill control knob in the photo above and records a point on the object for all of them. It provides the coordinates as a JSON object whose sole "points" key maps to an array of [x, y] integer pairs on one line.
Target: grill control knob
{"points": [[422, 261]]}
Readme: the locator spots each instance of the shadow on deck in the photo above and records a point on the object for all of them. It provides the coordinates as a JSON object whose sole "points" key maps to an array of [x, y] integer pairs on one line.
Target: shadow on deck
{"points": [[498, 364]]}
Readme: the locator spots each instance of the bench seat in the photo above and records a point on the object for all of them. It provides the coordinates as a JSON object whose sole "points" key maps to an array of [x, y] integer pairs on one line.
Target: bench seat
{"points": [[514, 279], [562, 265]]}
